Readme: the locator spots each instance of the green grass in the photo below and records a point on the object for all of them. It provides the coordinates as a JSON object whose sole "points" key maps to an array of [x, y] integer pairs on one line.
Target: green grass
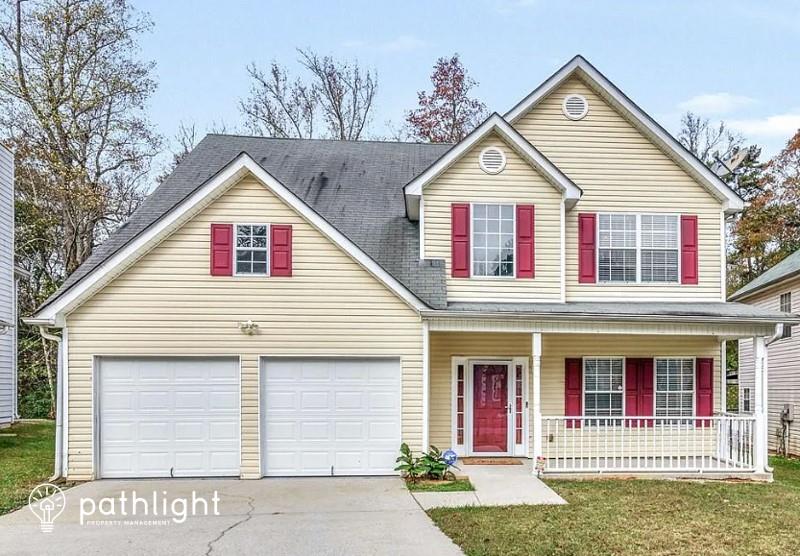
{"points": [[459, 485], [640, 517], [25, 461]]}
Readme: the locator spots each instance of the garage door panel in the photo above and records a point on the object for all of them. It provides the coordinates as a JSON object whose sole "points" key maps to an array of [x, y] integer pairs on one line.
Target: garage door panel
{"points": [[319, 414], [162, 416]]}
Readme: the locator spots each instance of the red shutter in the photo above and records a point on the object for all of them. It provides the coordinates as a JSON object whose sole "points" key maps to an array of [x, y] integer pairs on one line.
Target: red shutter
{"points": [[704, 388], [689, 272], [573, 390], [526, 249], [221, 260], [587, 248], [639, 389], [280, 249], [459, 240]]}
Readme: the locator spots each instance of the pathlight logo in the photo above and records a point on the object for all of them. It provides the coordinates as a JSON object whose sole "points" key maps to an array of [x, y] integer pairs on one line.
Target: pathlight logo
{"points": [[47, 502]]}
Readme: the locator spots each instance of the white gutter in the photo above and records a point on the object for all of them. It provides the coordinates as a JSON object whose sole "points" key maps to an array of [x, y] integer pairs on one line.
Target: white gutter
{"points": [[59, 402]]}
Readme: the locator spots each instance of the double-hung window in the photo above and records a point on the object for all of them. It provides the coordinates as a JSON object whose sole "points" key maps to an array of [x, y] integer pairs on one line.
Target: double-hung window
{"points": [[252, 249], [602, 386], [786, 307], [493, 240], [675, 387], [643, 248]]}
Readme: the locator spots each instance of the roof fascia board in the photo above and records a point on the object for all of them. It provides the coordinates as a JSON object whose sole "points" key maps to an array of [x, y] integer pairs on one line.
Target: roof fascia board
{"points": [[495, 122], [237, 168], [731, 201]]}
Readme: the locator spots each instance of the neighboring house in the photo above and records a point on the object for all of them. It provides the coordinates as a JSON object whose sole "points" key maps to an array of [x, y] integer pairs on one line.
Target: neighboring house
{"points": [[8, 297], [778, 289], [300, 307]]}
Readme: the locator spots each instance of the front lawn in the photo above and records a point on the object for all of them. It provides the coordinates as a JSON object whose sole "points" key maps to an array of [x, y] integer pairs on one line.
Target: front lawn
{"points": [[25, 461], [645, 517], [459, 485]]}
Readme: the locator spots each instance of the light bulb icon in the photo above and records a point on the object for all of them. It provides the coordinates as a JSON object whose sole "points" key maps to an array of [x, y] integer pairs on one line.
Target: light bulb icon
{"points": [[47, 502]]}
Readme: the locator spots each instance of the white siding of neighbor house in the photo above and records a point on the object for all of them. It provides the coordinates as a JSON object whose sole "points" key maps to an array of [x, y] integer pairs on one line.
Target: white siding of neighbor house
{"points": [[168, 304], [621, 170], [783, 373], [465, 182], [7, 297]]}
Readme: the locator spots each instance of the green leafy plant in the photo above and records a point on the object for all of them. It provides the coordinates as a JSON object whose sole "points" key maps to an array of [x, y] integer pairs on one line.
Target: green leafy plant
{"points": [[430, 465]]}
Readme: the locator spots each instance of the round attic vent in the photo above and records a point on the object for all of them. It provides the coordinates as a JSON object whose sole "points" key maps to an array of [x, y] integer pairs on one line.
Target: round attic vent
{"points": [[575, 107], [492, 160]]}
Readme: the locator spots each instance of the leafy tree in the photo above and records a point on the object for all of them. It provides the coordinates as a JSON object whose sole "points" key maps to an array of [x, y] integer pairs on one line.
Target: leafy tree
{"points": [[72, 99], [336, 96], [448, 113]]}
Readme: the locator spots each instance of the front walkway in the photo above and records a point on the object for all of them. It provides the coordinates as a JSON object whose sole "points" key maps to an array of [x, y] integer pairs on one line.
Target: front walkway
{"points": [[319, 516], [495, 485]]}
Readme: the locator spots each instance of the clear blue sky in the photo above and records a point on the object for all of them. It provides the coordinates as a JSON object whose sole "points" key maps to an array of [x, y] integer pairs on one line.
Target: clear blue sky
{"points": [[731, 60]]}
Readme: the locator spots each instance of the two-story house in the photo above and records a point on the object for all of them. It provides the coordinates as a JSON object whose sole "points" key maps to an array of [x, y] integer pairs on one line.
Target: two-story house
{"points": [[778, 289], [550, 287]]}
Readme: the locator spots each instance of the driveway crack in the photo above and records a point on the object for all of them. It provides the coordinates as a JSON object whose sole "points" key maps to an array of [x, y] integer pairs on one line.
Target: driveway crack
{"points": [[247, 517]]}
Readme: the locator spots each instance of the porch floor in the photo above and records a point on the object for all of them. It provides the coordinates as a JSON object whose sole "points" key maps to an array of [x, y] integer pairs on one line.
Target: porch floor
{"points": [[495, 485]]}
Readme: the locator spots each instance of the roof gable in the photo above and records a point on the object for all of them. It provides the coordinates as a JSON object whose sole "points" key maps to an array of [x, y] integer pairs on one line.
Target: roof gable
{"points": [[493, 124], [588, 74]]}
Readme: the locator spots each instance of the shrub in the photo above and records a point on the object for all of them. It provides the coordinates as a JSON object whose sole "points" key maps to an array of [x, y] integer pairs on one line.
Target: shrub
{"points": [[430, 465]]}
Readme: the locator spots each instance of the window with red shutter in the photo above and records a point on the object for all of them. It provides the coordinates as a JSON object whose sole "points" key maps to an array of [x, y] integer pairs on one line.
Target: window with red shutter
{"points": [[526, 250], [587, 248], [221, 255], [459, 240], [573, 390]]}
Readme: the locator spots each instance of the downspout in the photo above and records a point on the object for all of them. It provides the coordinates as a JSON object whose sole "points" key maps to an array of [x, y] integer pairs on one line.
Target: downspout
{"points": [[59, 402]]}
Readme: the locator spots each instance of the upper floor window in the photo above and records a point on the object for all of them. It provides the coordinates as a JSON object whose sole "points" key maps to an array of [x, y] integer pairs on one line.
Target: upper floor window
{"points": [[638, 248], [493, 240], [786, 307], [251, 249], [674, 387]]}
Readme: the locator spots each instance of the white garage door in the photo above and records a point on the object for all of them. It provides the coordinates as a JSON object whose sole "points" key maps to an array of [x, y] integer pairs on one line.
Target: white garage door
{"points": [[162, 417], [330, 416]]}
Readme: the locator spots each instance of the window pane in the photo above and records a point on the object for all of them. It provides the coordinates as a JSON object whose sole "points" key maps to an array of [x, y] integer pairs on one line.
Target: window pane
{"points": [[659, 266], [602, 384], [674, 387], [493, 240], [251, 249]]}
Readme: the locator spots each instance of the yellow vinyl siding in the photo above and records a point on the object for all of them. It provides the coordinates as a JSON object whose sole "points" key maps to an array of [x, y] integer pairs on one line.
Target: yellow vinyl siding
{"points": [[620, 170], [465, 182], [555, 349], [168, 304]]}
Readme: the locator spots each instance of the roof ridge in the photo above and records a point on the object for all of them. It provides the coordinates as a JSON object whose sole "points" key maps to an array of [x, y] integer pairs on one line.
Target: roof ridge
{"points": [[322, 139]]}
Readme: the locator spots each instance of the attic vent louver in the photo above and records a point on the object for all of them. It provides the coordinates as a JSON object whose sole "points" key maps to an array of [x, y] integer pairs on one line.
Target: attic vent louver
{"points": [[492, 160], [575, 107]]}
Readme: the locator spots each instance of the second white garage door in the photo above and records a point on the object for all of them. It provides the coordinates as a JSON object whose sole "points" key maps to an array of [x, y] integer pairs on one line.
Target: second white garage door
{"points": [[324, 417]]}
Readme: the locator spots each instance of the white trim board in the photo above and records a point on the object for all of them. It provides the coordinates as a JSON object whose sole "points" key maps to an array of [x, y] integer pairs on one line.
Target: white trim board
{"points": [[639, 118], [187, 209], [494, 123]]}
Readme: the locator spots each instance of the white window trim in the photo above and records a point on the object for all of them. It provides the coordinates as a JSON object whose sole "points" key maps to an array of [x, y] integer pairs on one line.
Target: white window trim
{"points": [[693, 359], [787, 328], [638, 281], [583, 385], [745, 397], [236, 248], [472, 242]]}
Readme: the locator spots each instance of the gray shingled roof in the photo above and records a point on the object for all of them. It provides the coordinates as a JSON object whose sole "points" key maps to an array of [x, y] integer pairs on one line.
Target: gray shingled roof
{"points": [[632, 310], [357, 186], [790, 266]]}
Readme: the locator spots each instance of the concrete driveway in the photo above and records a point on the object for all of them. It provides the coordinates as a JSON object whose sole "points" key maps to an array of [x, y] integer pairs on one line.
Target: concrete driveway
{"points": [[330, 516]]}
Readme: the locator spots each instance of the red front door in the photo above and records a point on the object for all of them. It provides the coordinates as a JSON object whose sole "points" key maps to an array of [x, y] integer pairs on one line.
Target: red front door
{"points": [[490, 408]]}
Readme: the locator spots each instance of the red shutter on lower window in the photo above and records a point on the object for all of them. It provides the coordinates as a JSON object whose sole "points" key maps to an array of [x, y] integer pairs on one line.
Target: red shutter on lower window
{"points": [[459, 240], [526, 249], [573, 391], [587, 248], [704, 387], [221, 256], [280, 250], [632, 387], [638, 390], [689, 249]]}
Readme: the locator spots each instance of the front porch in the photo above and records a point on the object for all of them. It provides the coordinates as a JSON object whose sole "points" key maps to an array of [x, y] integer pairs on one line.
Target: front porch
{"points": [[593, 403]]}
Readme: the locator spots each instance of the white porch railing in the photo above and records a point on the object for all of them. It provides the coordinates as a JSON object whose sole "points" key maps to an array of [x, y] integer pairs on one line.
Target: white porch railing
{"points": [[723, 443]]}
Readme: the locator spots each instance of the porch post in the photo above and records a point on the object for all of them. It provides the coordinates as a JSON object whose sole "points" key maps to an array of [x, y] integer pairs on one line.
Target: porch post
{"points": [[536, 371], [426, 378], [761, 444]]}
